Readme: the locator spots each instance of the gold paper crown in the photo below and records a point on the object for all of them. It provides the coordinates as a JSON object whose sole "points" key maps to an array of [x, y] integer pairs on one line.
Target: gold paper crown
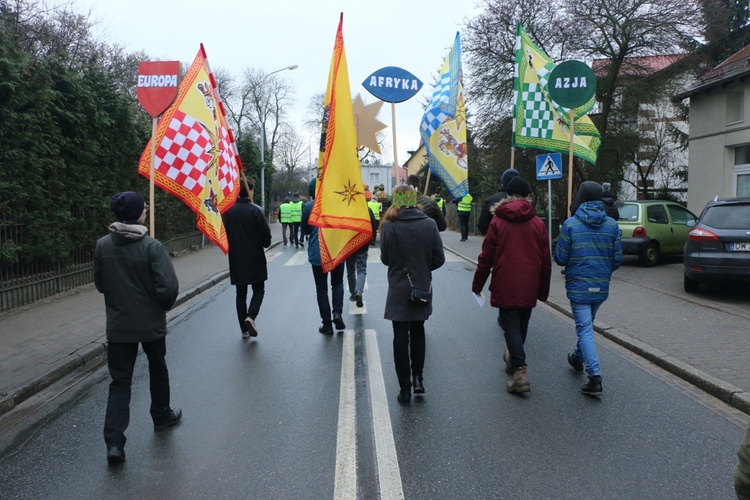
{"points": [[405, 198]]}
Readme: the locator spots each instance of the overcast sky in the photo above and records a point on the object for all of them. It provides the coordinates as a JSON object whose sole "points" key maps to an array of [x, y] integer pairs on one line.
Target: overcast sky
{"points": [[415, 35]]}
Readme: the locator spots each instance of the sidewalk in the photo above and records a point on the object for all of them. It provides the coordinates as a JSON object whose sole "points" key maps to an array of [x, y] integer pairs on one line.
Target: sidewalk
{"points": [[43, 342]]}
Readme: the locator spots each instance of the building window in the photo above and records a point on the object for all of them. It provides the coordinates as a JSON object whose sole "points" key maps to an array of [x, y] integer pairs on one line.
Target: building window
{"points": [[741, 171], [374, 177], [735, 106]]}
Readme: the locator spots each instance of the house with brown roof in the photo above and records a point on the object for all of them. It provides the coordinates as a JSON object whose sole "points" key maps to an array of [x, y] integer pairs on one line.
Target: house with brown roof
{"points": [[719, 160], [644, 87]]}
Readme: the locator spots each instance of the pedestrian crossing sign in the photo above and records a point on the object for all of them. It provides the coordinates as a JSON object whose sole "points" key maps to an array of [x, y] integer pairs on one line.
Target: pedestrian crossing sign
{"points": [[549, 166]]}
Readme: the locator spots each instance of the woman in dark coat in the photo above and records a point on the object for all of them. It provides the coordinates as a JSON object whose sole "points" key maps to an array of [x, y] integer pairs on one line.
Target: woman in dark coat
{"points": [[248, 234], [409, 240]]}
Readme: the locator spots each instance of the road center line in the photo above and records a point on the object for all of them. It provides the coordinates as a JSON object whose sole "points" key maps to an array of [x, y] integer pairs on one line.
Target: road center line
{"points": [[389, 473], [345, 484]]}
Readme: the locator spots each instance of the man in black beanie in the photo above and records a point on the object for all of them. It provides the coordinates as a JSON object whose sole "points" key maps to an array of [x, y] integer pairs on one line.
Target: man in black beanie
{"points": [[139, 284], [485, 216]]}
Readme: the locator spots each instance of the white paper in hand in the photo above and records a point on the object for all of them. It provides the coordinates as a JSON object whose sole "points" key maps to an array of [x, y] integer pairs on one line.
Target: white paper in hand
{"points": [[479, 297]]}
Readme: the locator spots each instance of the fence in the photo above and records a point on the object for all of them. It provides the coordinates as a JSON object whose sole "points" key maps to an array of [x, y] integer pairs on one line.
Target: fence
{"points": [[27, 280]]}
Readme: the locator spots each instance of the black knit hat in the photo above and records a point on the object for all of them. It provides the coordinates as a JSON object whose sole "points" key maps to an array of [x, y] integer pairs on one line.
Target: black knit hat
{"points": [[507, 176], [590, 191], [127, 206], [518, 187]]}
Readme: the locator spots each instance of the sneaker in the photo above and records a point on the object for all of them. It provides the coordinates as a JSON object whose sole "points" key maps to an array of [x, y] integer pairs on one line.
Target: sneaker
{"points": [[115, 455], [245, 335], [520, 382], [175, 415], [576, 363], [352, 298], [358, 297], [508, 366], [593, 387], [338, 321], [250, 325], [326, 329]]}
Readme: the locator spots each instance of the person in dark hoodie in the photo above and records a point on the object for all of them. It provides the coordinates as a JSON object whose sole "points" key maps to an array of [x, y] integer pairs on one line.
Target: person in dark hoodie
{"points": [[609, 201], [485, 216], [139, 284], [248, 234], [516, 250], [321, 278], [589, 247]]}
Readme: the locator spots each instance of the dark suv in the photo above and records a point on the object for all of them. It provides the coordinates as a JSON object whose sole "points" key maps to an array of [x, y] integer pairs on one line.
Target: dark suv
{"points": [[718, 247]]}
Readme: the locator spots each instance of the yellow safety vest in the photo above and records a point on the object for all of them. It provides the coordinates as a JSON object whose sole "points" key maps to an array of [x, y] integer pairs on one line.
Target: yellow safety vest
{"points": [[375, 206], [465, 204], [296, 209], [285, 213], [440, 202]]}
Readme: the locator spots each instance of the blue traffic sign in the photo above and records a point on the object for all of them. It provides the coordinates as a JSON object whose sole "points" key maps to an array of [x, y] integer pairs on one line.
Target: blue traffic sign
{"points": [[549, 166]]}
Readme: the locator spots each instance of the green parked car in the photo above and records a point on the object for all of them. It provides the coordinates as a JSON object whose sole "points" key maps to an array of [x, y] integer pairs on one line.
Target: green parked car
{"points": [[651, 228]]}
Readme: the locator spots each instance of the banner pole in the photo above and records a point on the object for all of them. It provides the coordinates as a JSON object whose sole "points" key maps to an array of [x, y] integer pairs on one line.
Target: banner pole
{"points": [[151, 204], [393, 126], [427, 182], [570, 162]]}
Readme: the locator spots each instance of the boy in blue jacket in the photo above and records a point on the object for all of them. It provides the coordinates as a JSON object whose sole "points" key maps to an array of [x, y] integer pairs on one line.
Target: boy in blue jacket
{"points": [[590, 249]]}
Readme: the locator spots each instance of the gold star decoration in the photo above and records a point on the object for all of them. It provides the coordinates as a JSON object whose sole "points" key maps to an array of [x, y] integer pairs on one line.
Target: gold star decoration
{"points": [[367, 124], [349, 192]]}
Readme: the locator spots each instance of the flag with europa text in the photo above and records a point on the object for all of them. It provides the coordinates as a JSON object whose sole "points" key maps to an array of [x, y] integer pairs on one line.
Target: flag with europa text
{"points": [[443, 127], [340, 209], [196, 155], [539, 122]]}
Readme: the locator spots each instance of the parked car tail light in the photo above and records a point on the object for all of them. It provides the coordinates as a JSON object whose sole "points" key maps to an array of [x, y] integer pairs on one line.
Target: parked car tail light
{"points": [[639, 232], [700, 234]]}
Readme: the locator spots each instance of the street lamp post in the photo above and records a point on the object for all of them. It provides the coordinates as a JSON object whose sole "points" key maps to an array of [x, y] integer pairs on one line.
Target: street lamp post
{"points": [[263, 137]]}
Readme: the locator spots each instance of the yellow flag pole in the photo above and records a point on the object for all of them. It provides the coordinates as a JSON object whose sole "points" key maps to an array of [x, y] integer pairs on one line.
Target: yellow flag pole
{"points": [[570, 161], [427, 182], [152, 206], [247, 187]]}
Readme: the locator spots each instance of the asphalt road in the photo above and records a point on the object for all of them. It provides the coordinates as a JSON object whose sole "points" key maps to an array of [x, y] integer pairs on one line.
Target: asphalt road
{"points": [[296, 414]]}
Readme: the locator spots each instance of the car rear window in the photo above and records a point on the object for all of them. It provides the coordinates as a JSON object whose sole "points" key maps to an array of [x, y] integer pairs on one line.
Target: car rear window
{"points": [[628, 211], [728, 216]]}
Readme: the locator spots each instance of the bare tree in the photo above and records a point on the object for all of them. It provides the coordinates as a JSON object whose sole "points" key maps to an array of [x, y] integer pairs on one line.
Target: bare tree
{"points": [[291, 162]]}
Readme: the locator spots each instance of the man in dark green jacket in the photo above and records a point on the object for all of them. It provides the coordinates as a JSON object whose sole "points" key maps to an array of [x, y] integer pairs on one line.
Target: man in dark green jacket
{"points": [[139, 284]]}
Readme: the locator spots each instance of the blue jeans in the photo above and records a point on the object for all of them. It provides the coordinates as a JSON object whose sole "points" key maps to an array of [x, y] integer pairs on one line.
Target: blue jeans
{"points": [[583, 315], [356, 270]]}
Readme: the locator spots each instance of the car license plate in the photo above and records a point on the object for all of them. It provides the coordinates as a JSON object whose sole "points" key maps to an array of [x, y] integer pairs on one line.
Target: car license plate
{"points": [[740, 246]]}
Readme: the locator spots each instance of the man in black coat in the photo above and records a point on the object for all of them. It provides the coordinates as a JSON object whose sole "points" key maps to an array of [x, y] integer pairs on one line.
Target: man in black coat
{"points": [[139, 284], [248, 234], [485, 217]]}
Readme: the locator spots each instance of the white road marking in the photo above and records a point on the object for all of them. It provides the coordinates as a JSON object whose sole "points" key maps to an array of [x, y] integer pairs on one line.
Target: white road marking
{"points": [[345, 484], [389, 472], [299, 258]]}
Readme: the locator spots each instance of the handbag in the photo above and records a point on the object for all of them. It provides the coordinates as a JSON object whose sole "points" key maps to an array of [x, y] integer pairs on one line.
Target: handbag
{"points": [[417, 295]]}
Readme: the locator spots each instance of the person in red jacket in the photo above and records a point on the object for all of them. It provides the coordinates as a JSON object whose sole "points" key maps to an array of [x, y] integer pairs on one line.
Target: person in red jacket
{"points": [[516, 250]]}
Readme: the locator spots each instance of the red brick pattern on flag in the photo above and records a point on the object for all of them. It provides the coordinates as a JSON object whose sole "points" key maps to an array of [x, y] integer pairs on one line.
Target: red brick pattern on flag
{"points": [[184, 153], [228, 168]]}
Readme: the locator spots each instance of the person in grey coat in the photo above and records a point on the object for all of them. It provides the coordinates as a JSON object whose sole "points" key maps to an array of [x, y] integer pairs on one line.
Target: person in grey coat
{"points": [[139, 284], [248, 234], [411, 247]]}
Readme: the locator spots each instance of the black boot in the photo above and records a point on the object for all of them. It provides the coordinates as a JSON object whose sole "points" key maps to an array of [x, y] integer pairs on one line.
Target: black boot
{"points": [[594, 386], [404, 396], [417, 384]]}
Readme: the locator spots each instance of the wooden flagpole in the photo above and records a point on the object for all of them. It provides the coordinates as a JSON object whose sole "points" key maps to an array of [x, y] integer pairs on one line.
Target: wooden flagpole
{"points": [[151, 204], [570, 161]]}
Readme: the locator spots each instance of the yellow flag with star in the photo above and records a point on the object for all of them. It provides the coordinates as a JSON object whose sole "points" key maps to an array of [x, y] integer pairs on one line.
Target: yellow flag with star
{"points": [[340, 208]]}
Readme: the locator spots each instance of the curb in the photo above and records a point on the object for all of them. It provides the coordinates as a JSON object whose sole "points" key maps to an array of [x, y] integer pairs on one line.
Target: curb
{"points": [[91, 354], [724, 391]]}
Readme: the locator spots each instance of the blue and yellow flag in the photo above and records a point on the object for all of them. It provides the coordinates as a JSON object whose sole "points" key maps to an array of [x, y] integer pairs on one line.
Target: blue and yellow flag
{"points": [[340, 209], [443, 127], [538, 121]]}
